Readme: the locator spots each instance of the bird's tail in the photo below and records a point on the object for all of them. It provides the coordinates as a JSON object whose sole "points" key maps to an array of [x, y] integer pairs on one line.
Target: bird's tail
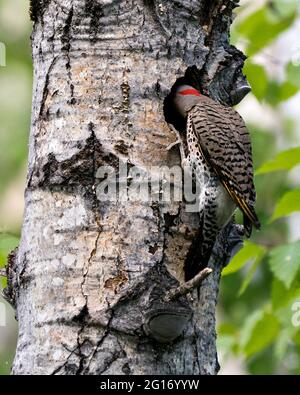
{"points": [[198, 256], [249, 222]]}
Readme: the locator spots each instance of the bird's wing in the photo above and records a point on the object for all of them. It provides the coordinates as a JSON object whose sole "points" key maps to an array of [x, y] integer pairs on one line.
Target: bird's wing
{"points": [[225, 144]]}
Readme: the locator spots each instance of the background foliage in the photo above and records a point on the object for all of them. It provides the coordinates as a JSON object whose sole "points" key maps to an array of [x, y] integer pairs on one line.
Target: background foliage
{"points": [[15, 104], [262, 282], [256, 334]]}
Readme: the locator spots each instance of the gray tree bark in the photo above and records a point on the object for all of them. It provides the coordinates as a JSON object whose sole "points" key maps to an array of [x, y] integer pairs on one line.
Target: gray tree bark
{"points": [[89, 278]]}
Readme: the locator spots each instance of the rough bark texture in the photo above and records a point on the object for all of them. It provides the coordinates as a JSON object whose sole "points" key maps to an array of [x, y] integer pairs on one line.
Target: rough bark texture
{"points": [[88, 278]]}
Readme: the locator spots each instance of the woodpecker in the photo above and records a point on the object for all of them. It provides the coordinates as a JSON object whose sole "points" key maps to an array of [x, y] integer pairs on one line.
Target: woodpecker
{"points": [[216, 146]]}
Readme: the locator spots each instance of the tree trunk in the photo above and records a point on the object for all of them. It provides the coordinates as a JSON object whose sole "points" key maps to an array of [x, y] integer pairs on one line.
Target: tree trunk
{"points": [[90, 277]]}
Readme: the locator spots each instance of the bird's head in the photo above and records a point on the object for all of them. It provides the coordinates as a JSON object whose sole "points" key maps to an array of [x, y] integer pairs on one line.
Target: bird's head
{"points": [[186, 96]]}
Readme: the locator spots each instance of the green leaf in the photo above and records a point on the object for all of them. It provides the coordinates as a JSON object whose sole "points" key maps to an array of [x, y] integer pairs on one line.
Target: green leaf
{"points": [[7, 244], [285, 262], [285, 160], [285, 7], [249, 325], [296, 338], [250, 252], [287, 90], [280, 296], [278, 92], [257, 78], [259, 257], [226, 329], [293, 74], [282, 342], [263, 26], [259, 331], [289, 203]]}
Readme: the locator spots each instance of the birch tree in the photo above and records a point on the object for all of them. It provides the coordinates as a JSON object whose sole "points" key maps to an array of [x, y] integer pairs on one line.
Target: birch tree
{"points": [[98, 285]]}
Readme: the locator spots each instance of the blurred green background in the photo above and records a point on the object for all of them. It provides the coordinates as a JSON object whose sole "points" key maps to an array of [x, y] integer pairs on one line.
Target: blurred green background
{"points": [[258, 324], [15, 104]]}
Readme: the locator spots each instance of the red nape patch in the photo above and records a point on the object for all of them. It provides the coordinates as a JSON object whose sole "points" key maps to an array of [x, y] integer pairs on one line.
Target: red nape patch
{"points": [[190, 92]]}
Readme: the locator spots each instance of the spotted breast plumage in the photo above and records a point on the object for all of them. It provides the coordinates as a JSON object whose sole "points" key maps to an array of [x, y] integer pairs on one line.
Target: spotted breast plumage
{"points": [[218, 151]]}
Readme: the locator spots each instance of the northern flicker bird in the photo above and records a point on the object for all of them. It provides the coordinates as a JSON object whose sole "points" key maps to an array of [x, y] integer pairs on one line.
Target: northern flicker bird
{"points": [[217, 148]]}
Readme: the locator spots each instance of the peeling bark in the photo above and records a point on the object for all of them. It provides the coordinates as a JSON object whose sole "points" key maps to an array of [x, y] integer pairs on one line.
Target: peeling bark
{"points": [[90, 277]]}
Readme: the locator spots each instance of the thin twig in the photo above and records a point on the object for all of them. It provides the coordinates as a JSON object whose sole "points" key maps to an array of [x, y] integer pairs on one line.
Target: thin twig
{"points": [[187, 287], [170, 146]]}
